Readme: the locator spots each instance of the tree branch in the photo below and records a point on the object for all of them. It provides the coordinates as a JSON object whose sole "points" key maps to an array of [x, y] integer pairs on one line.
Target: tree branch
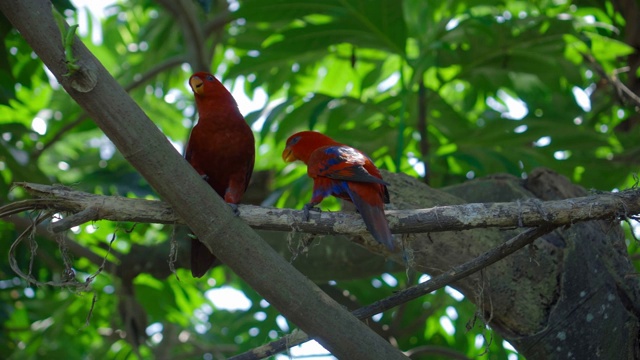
{"points": [[422, 126], [519, 214], [218, 23], [186, 14]]}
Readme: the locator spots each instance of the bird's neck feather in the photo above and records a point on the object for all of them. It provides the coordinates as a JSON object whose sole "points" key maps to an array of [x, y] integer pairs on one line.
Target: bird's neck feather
{"points": [[216, 106]]}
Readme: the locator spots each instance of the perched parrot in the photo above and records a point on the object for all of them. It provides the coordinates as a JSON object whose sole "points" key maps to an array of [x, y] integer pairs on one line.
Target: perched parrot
{"points": [[344, 172], [221, 149]]}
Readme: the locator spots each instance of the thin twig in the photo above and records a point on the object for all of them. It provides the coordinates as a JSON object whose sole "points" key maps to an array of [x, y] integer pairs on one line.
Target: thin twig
{"points": [[66, 128], [154, 71], [74, 247], [13, 263], [622, 88], [423, 128], [624, 94]]}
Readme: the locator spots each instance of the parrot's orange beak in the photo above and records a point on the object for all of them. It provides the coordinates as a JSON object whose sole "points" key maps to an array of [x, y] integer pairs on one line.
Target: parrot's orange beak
{"points": [[197, 85], [287, 155]]}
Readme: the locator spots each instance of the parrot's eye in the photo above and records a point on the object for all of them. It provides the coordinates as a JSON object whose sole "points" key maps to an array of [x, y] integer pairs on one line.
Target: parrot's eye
{"points": [[210, 77], [294, 140]]}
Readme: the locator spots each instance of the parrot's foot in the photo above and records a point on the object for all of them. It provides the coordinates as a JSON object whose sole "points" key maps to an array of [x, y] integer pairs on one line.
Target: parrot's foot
{"points": [[234, 208], [205, 177], [309, 207]]}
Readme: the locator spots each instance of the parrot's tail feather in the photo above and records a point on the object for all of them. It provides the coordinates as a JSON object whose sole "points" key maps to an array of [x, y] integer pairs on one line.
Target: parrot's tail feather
{"points": [[374, 219], [201, 258]]}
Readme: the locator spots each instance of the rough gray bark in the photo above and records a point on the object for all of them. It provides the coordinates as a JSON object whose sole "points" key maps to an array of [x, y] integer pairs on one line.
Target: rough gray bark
{"points": [[596, 310], [148, 150]]}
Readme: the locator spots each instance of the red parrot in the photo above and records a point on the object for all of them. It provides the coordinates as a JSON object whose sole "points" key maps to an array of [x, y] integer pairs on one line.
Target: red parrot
{"points": [[221, 149], [344, 172]]}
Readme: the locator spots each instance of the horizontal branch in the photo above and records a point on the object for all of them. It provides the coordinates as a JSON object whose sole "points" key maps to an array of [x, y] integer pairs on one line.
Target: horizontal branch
{"points": [[85, 207]]}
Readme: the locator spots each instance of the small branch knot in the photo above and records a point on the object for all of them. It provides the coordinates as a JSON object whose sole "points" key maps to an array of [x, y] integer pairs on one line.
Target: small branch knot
{"points": [[85, 78]]}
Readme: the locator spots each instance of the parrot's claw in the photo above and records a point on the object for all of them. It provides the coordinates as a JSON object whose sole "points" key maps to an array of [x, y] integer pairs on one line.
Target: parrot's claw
{"points": [[205, 177], [234, 208], [308, 208]]}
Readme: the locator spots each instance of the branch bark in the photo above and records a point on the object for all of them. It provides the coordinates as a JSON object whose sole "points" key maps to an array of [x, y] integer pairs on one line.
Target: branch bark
{"points": [[83, 207], [148, 150]]}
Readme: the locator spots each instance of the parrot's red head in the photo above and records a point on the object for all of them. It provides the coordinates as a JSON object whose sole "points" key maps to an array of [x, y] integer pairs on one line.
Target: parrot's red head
{"points": [[210, 93], [202, 83], [301, 145]]}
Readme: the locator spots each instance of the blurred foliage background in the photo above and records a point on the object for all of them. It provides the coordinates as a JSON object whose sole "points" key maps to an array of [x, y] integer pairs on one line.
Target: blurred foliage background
{"points": [[447, 91]]}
